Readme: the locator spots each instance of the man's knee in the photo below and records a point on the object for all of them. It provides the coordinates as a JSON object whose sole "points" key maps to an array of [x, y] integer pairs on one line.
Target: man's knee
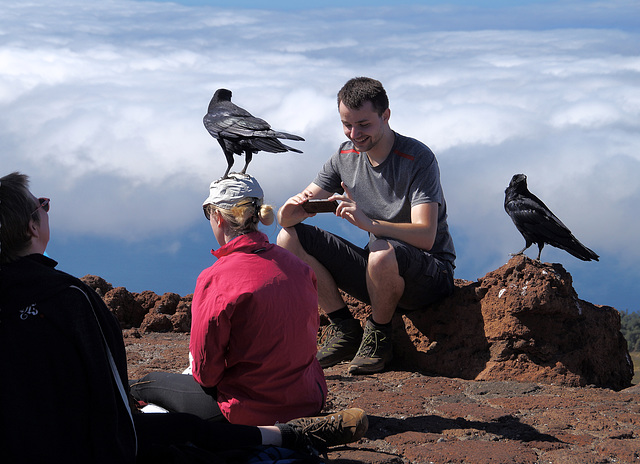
{"points": [[287, 237], [382, 258]]}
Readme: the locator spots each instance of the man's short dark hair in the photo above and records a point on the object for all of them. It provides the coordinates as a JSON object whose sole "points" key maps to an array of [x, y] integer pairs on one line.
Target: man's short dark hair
{"points": [[16, 210], [359, 90]]}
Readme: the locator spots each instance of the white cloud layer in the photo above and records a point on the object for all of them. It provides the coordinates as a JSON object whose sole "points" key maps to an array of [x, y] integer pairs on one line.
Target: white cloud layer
{"points": [[101, 103]]}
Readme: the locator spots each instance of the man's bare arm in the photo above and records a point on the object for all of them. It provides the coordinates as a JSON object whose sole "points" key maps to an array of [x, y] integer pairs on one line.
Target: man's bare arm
{"points": [[292, 213], [420, 232]]}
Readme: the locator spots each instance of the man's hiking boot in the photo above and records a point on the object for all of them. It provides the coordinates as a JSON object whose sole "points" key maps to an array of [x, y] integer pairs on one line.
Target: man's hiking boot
{"points": [[341, 342], [374, 353], [322, 432]]}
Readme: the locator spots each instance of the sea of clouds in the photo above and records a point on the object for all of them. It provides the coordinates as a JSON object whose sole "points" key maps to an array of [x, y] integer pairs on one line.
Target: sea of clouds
{"points": [[101, 103]]}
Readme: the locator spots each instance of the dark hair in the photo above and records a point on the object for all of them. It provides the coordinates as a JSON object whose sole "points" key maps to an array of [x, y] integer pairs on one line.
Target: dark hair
{"points": [[359, 90], [16, 210]]}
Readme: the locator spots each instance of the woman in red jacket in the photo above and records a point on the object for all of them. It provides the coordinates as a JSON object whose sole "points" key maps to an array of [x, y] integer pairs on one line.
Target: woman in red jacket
{"points": [[254, 323]]}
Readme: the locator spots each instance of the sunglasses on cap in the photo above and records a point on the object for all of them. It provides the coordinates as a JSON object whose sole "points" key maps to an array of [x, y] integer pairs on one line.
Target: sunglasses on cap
{"points": [[44, 204]]}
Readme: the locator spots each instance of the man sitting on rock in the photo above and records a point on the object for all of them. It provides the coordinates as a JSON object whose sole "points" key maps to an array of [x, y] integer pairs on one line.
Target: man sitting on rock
{"points": [[389, 186]]}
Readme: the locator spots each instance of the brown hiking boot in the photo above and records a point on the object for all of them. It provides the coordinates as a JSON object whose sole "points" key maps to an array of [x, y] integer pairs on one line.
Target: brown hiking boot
{"points": [[322, 432], [341, 342], [375, 351]]}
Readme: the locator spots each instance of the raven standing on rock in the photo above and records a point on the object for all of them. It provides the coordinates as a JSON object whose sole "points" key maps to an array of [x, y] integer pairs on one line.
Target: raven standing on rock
{"points": [[239, 132], [537, 223]]}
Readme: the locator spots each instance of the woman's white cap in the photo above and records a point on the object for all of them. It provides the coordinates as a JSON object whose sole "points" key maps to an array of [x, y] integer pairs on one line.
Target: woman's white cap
{"points": [[225, 193]]}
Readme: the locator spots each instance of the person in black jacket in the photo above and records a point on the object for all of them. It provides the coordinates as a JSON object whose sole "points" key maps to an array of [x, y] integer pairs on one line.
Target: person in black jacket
{"points": [[64, 390]]}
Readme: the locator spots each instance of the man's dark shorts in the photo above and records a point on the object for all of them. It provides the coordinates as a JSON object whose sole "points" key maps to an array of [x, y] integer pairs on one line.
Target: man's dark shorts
{"points": [[427, 278]]}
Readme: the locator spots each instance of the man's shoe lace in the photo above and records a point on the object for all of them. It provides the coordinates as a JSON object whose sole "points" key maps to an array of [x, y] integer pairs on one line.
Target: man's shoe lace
{"points": [[328, 334], [373, 339]]}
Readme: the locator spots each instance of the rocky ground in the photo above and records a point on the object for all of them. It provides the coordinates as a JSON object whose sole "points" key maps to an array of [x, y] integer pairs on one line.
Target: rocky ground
{"points": [[415, 418], [523, 321], [511, 368]]}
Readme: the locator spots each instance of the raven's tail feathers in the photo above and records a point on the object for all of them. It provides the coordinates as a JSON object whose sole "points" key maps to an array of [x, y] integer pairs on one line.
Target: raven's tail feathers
{"points": [[577, 249]]}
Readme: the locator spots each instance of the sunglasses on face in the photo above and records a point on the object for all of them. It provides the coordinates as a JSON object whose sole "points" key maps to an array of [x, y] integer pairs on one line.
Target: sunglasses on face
{"points": [[44, 204], [207, 211]]}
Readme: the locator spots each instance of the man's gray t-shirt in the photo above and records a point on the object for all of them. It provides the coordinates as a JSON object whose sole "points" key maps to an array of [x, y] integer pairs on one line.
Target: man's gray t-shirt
{"points": [[409, 176]]}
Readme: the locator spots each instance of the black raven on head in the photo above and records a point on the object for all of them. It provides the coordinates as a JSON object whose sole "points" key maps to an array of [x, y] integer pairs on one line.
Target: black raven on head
{"points": [[537, 223], [239, 132]]}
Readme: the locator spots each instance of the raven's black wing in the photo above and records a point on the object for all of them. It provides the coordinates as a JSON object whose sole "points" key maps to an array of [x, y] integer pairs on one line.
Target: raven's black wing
{"points": [[227, 120], [538, 224]]}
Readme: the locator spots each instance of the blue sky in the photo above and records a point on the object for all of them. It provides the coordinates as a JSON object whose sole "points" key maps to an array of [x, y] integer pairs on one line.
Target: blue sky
{"points": [[101, 104]]}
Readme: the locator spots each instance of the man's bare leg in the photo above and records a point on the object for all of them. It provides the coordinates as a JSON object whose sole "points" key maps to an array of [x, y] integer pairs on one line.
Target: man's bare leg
{"points": [[384, 283], [385, 286]]}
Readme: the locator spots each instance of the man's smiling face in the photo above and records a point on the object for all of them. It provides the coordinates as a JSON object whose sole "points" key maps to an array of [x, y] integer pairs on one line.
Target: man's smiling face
{"points": [[363, 126]]}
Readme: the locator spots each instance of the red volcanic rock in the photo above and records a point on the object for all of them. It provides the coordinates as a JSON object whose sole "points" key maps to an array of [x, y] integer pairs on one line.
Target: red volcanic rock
{"points": [[160, 316], [124, 305], [156, 322], [523, 321], [146, 310], [100, 285], [147, 300], [181, 319], [539, 330], [167, 303]]}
